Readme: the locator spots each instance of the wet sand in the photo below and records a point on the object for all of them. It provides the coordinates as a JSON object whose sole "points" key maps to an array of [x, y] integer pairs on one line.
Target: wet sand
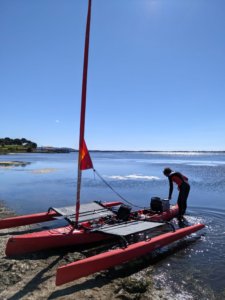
{"points": [[33, 276]]}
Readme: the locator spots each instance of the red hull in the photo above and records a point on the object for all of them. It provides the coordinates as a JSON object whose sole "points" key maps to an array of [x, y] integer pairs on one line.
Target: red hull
{"points": [[64, 236], [112, 258], [50, 239], [166, 215], [27, 219]]}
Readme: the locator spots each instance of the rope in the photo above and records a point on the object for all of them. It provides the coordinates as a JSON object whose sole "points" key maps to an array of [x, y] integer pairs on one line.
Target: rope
{"points": [[121, 197]]}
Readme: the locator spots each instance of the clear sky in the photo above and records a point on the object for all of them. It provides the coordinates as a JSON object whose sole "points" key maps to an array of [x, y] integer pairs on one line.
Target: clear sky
{"points": [[156, 78]]}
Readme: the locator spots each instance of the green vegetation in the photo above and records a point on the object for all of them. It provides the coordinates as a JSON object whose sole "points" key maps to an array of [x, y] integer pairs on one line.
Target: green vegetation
{"points": [[16, 145]]}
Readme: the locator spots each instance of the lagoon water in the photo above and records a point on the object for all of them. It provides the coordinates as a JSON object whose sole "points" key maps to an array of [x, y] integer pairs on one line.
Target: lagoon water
{"points": [[192, 269]]}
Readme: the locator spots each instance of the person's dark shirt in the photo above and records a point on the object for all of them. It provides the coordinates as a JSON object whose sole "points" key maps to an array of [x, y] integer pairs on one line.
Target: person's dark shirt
{"points": [[178, 178]]}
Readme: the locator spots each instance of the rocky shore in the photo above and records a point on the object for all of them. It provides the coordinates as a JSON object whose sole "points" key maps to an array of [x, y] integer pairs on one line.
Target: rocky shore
{"points": [[33, 276]]}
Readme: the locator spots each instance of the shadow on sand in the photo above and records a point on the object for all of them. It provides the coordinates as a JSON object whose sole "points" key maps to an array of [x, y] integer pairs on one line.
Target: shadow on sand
{"points": [[35, 281]]}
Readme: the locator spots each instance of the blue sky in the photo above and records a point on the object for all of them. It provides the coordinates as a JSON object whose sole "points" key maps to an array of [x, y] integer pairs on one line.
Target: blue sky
{"points": [[156, 78]]}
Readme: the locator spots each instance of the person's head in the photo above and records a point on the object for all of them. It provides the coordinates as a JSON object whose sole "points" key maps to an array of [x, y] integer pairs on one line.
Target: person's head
{"points": [[167, 171]]}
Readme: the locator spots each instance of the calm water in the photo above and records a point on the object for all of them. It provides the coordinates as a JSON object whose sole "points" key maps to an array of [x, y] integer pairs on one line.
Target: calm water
{"points": [[192, 269]]}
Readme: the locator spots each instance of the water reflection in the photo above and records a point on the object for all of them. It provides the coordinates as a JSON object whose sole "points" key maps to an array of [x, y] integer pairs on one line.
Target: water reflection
{"points": [[44, 171]]}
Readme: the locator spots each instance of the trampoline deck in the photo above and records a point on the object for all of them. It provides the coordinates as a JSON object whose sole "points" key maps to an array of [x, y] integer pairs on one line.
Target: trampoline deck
{"points": [[88, 212], [128, 228]]}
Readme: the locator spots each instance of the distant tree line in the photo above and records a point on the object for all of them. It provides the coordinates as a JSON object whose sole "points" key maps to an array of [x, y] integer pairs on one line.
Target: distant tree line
{"points": [[23, 143]]}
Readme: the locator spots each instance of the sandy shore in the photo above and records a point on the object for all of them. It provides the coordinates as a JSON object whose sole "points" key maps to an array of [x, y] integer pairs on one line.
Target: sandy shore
{"points": [[33, 276]]}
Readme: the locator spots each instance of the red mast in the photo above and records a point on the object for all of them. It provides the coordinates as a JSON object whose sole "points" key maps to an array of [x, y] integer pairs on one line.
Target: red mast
{"points": [[83, 108]]}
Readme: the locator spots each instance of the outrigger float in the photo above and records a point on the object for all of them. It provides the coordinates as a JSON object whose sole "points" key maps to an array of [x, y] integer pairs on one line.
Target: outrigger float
{"points": [[134, 234], [127, 253]]}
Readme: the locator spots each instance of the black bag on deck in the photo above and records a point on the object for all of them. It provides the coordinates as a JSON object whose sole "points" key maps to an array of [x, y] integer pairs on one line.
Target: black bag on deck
{"points": [[156, 204], [159, 205], [123, 212]]}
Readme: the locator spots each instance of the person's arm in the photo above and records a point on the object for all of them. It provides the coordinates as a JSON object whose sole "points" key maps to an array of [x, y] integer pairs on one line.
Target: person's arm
{"points": [[171, 188]]}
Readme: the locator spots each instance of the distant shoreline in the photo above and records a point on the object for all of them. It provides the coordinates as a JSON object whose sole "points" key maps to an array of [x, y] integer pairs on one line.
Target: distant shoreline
{"points": [[159, 151], [59, 150]]}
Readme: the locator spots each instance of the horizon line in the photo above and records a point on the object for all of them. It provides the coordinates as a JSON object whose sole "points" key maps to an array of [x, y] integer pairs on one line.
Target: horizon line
{"points": [[122, 150]]}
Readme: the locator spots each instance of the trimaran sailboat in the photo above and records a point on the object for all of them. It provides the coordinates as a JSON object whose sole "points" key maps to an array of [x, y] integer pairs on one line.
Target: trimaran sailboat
{"points": [[93, 222]]}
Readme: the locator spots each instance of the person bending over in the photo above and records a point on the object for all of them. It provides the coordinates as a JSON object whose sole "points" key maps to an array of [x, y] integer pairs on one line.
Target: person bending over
{"points": [[183, 187]]}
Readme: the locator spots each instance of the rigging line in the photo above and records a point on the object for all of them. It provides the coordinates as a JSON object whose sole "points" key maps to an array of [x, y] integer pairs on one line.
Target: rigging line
{"points": [[115, 190]]}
